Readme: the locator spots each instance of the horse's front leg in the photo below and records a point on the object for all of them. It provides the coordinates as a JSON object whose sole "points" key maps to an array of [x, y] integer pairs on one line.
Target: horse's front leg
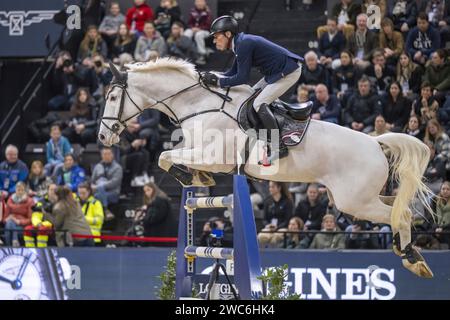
{"points": [[174, 162]]}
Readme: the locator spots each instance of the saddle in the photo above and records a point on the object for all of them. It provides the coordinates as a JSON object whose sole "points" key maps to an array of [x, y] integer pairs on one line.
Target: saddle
{"points": [[293, 120]]}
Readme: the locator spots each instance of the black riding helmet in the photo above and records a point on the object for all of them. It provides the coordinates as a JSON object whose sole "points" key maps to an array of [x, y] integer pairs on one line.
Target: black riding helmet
{"points": [[223, 24]]}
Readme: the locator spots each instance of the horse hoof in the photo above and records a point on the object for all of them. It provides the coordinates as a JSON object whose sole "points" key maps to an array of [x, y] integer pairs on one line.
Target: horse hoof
{"points": [[414, 262], [202, 179], [419, 268]]}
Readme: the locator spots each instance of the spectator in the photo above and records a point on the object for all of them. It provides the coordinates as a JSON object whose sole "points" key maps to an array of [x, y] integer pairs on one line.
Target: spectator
{"points": [[125, 42], [92, 44], [106, 181], [199, 22], [57, 148], [362, 42], [157, 210], [68, 217], [83, 119], [17, 214], [37, 180], [443, 214], [404, 15], [414, 128], [277, 212], [396, 108], [342, 220], [137, 16], [437, 74], [379, 126], [329, 239], [331, 43], [409, 75], [313, 73], [134, 156], [67, 78], [426, 106], [362, 108], [12, 170], [359, 240], [325, 107], [443, 25], [302, 95], [378, 72], [37, 233], [345, 12], [179, 45], [70, 174], [422, 40], [92, 210], [435, 172], [391, 41], [104, 76], [345, 76], [166, 14], [110, 24], [150, 40], [147, 126], [435, 135], [293, 240], [435, 10], [311, 210]]}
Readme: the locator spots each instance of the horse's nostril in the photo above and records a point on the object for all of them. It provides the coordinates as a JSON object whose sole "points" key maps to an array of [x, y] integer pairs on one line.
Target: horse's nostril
{"points": [[102, 137]]}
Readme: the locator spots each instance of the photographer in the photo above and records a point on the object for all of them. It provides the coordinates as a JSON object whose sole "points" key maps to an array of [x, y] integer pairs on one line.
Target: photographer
{"points": [[66, 79], [216, 233]]}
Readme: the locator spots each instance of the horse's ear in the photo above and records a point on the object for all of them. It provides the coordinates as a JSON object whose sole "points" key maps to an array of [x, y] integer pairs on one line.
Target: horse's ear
{"points": [[120, 77]]}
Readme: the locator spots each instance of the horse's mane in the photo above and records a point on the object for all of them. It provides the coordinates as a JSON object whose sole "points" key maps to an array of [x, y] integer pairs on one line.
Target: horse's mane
{"points": [[162, 64]]}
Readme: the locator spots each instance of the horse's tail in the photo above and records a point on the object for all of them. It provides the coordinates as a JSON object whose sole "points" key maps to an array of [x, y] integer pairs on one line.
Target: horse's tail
{"points": [[409, 158]]}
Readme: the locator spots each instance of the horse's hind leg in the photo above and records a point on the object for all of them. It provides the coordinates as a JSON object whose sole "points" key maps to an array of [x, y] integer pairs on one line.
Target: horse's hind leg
{"points": [[377, 211]]}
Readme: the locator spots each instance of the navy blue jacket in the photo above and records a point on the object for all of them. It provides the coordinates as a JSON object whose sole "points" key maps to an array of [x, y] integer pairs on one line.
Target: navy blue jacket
{"points": [[11, 173], [273, 61], [332, 49], [427, 42], [331, 109]]}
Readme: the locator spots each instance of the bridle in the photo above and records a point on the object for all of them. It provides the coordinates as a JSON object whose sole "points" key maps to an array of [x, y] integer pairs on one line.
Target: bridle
{"points": [[121, 82]]}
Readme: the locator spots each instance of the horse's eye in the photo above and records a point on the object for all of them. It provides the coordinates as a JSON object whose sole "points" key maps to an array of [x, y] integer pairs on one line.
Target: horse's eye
{"points": [[113, 98]]}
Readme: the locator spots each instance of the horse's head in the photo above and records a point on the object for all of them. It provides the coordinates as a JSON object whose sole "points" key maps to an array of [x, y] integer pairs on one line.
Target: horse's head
{"points": [[122, 104]]}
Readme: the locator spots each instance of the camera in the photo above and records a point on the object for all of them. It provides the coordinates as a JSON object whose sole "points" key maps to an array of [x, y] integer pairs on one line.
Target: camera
{"points": [[67, 63], [215, 238]]}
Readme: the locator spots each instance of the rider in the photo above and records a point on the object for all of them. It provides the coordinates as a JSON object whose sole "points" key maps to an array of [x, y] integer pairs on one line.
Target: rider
{"points": [[280, 67]]}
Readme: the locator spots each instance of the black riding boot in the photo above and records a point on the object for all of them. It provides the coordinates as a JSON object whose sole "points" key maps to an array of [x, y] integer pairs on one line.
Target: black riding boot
{"points": [[269, 122]]}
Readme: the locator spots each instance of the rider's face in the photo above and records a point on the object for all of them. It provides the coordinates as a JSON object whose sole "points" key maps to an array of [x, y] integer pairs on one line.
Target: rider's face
{"points": [[221, 40]]}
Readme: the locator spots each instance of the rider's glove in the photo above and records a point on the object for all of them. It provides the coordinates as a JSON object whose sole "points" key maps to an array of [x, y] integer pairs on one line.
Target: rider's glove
{"points": [[210, 79]]}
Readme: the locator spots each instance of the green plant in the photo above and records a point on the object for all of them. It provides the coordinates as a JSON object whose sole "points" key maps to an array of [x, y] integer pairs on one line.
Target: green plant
{"points": [[167, 289], [274, 278]]}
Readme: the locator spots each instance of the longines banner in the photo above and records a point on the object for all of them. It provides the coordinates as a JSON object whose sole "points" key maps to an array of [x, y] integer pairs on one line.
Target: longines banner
{"points": [[24, 25], [132, 273]]}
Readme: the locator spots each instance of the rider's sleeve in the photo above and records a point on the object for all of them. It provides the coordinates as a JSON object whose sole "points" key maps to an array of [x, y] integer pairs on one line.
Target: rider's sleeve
{"points": [[243, 66], [232, 71]]}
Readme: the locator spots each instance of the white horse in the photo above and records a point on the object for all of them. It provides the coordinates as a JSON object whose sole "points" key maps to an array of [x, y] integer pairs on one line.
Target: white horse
{"points": [[353, 166]]}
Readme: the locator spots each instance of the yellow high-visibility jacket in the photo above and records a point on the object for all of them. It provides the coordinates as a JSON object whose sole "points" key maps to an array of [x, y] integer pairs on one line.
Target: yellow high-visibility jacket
{"points": [[93, 212]]}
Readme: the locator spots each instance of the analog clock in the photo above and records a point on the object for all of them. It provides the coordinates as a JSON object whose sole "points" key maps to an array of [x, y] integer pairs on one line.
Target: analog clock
{"points": [[31, 274]]}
